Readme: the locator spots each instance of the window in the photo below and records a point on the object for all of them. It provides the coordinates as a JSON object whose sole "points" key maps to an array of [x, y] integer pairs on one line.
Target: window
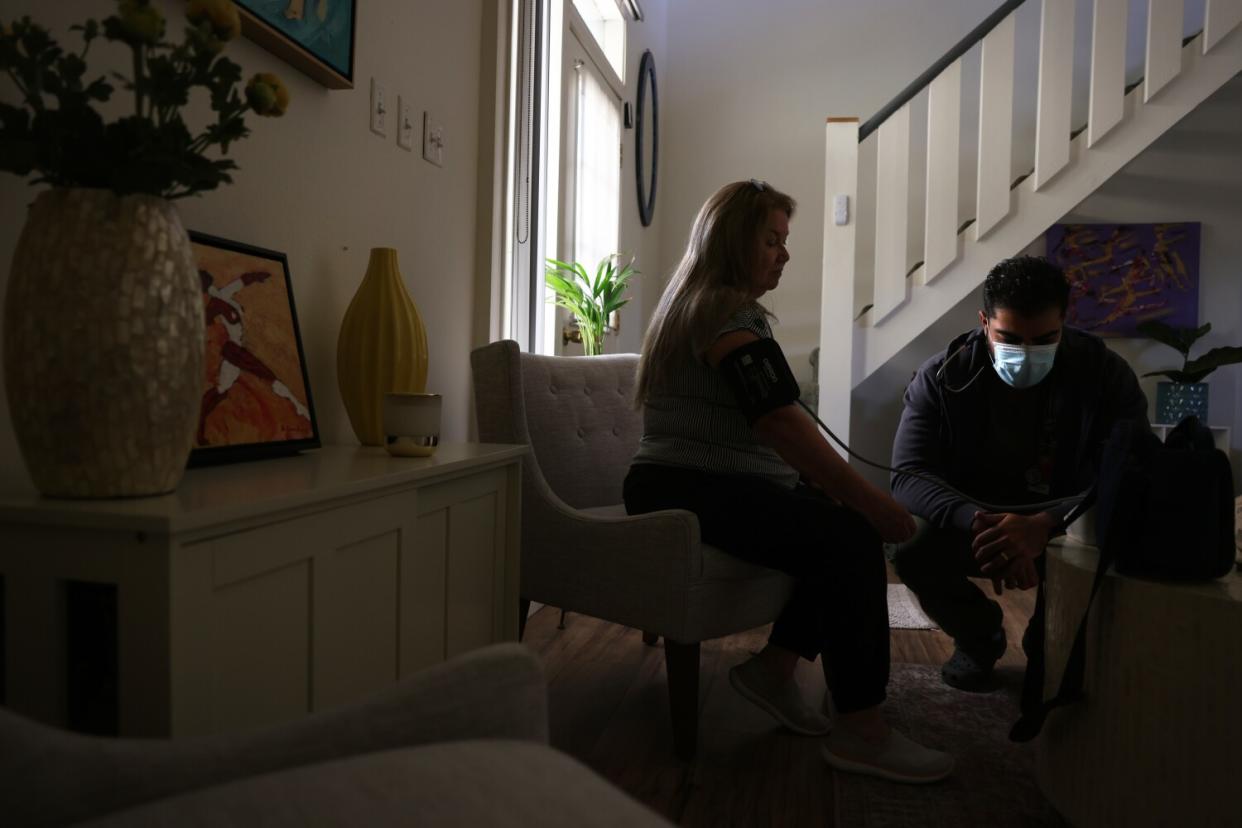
{"points": [[590, 168], [607, 27], [562, 167]]}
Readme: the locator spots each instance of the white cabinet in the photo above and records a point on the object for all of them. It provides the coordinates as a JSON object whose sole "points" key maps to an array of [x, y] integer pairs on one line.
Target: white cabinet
{"points": [[260, 592]]}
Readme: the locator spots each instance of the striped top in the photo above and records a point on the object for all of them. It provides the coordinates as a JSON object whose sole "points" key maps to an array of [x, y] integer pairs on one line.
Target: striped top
{"points": [[693, 420]]}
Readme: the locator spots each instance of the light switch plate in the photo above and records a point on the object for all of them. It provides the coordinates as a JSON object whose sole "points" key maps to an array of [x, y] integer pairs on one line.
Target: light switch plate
{"points": [[379, 108], [433, 140], [841, 210], [405, 123]]}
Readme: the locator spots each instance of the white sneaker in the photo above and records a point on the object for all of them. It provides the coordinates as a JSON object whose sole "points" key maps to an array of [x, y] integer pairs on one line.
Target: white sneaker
{"points": [[897, 758], [782, 701]]}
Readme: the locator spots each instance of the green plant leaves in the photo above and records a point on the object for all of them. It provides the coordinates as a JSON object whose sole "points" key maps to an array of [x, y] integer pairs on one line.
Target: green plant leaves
{"points": [[57, 135], [1179, 339], [591, 299], [1196, 370]]}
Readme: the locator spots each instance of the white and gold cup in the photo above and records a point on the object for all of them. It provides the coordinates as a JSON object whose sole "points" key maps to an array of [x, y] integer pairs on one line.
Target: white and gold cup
{"points": [[411, 424]]}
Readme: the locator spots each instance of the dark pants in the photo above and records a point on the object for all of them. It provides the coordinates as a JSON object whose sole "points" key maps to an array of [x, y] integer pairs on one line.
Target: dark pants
{"points": [[839, 604], [936, 564]]}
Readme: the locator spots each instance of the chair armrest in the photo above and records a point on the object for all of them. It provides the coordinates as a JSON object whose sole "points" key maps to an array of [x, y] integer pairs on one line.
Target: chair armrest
{"points": [[659, 547], [53, 777], [633, 570]]}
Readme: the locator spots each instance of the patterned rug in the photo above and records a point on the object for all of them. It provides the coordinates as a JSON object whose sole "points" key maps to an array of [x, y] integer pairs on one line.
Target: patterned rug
{"points": [[904, 612], [993, 783]]}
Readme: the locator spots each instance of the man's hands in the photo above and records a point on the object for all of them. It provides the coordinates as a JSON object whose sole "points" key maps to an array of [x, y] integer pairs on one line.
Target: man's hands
{"points": [[1006, 546]]}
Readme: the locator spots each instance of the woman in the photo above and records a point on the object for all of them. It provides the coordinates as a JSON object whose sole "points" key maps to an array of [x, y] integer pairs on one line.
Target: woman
{"points": [[710, 448]]}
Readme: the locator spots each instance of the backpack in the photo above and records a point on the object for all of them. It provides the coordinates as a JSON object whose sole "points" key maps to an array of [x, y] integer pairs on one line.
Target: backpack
{"points": [[1163, 511]]}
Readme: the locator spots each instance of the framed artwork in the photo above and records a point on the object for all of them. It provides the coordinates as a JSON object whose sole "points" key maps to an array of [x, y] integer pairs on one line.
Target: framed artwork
{"points": [[314, 36], [1124, 274], [256, 394]]}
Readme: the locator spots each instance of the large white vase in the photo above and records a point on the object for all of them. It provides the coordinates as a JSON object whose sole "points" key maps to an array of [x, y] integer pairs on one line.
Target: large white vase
{"points": [[103, 344]]}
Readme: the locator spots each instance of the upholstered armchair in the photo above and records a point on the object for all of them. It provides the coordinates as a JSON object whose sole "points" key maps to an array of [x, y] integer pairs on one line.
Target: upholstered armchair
{"points": [[580, 551], [460, 743]]}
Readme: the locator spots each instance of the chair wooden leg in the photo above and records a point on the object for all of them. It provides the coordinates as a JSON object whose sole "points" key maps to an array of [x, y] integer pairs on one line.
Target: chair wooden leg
{"points": [[561, 624], [651, 639], [523, 611], [682, 663]]}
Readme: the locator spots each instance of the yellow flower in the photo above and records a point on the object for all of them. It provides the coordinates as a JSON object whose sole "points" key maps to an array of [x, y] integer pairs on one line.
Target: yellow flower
{"points": [[267, 95], [221, 14], [140, 22]]}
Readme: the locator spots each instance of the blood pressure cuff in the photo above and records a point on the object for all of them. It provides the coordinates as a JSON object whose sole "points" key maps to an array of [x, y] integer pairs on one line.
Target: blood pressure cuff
{"points": [[759, 377]]}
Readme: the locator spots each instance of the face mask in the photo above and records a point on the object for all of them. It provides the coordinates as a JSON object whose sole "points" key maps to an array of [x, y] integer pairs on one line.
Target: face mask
{"points": [[1020, 366]]}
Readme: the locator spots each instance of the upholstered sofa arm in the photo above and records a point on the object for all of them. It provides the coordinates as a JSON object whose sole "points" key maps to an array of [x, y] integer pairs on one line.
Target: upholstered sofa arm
{"points": [[52, 777]]}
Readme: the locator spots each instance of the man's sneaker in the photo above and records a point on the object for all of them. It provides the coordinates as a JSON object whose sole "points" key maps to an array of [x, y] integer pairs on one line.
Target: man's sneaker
{"points": [[782, 700], [897, 758], [971, 670]]}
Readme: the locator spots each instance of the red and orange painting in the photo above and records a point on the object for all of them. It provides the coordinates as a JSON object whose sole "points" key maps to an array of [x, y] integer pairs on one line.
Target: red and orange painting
{"points": [[255, 390]]}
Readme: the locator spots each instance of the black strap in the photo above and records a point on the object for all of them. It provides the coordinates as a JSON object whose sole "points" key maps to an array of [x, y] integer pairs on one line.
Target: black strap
{"points": [[1034, 708]]}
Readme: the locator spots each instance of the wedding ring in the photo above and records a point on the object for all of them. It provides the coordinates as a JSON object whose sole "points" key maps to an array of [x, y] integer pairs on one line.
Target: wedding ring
{"points": [[1005, 555]]}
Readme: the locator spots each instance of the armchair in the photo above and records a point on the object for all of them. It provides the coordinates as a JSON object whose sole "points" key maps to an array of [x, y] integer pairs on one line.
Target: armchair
{"points": [[461, 743], [580, 550]]}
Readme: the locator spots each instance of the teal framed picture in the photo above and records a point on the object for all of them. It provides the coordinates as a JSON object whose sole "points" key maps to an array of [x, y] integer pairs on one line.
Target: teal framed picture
{"points": [[314, 36]]}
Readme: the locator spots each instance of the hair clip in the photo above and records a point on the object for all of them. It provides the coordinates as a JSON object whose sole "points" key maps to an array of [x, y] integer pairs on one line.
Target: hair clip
{"points": [[759, 185]]}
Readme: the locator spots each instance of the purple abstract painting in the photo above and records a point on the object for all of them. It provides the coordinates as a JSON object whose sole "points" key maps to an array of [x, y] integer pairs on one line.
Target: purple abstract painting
{"points": [[1124, 274]]}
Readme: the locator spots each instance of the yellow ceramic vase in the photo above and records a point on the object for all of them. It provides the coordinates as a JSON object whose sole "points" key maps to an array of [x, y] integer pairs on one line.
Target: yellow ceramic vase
{"points": [[382, 346]]}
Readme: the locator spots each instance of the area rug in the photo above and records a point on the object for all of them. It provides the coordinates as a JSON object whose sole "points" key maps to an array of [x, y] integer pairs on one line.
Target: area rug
{"points": [[904, 612], [993, 783]]}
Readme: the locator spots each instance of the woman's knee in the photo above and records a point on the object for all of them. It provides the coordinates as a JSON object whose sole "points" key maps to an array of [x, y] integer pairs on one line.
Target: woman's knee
{"points": [[850, 548]]}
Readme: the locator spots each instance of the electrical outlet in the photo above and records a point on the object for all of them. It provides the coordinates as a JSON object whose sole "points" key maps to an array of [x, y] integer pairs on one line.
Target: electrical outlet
{"points": [[433, 140], [405, 123], [379, 108]]}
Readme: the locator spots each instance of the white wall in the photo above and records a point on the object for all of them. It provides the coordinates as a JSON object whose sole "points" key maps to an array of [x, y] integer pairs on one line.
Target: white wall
{"points": [[1191, 173], [746, 93], [319, 186], [643, 242]]}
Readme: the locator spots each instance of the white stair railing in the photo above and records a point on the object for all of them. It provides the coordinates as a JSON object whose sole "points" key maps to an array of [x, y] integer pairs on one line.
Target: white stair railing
{"points": [[899, 301]]}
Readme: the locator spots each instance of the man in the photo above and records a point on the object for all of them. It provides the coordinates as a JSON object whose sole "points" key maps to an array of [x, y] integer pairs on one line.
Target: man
{"points": [[1012, 413]]}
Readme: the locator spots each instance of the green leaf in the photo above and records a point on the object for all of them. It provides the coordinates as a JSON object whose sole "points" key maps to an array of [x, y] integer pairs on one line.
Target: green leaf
{"points": [[1179, 339], [1209, 362], [564, 287], [1173, 375], [99, 90]]}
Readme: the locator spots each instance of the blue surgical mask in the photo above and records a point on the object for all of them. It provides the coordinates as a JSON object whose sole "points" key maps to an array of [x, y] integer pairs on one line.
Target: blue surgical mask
{"points": [[1021, 366]]}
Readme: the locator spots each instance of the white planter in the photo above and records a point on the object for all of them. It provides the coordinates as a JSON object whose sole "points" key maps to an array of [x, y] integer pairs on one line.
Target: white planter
{"points": [[103, 344]]}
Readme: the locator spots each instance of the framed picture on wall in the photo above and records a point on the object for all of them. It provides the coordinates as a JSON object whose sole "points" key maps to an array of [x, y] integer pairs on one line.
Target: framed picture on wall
{"points": [[256, 393], [1124, 274], [314, 36]]}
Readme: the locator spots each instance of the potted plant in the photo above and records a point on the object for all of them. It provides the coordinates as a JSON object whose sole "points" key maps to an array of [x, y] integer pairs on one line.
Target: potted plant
{"points": [[1185, 393], [594, 301], [103, 329]]}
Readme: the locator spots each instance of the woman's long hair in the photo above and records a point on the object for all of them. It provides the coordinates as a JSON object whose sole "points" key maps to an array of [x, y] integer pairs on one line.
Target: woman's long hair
{"points": [[712, 281]]}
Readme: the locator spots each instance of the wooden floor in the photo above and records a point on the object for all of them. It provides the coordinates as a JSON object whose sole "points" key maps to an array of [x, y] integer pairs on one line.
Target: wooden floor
{"points": [[609, 709]]}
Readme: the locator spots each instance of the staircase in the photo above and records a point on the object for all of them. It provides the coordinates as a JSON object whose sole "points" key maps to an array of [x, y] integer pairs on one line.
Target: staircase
{"points": [[872, 307]]}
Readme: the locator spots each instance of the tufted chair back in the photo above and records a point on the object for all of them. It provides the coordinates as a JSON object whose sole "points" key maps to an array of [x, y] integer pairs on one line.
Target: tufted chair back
{"points": [[576, 413]]}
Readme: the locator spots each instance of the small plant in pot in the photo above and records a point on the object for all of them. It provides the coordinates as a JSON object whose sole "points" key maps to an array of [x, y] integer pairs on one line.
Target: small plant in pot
{"points": [[594, 301], [103, 328], [1186, 393]]}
